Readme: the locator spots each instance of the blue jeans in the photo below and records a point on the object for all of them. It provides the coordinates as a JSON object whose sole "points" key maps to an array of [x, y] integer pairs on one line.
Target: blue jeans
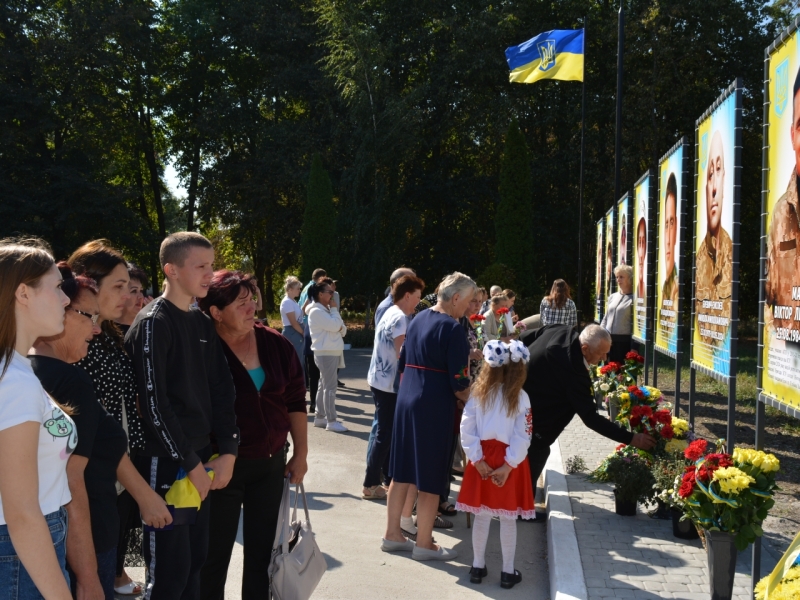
{"points": [[106, 571], [16, 584], [378, 454]]}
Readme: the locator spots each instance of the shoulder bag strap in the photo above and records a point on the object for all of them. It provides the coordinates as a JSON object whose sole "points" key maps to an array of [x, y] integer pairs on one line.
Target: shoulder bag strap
{"points": [[282, 530]]}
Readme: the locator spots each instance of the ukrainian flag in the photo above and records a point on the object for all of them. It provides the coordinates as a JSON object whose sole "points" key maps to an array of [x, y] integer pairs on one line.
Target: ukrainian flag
{"points": [[556, 54]]}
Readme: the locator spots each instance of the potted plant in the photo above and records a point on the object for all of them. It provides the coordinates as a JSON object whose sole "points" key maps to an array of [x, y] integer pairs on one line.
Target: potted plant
{"points": [[729, 496], [668, 469], [629, 470]]}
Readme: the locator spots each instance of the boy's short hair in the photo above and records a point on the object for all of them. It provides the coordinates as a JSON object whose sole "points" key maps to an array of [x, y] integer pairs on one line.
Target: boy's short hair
{"points": [[318, 273], [176, 247]]}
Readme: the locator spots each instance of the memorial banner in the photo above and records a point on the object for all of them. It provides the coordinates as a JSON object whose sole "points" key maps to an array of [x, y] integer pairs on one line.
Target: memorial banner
{"points": [[609, 281], [641, 196], [781, 311], [623, 231], [716, 202], [670, 269], [598, 279]]}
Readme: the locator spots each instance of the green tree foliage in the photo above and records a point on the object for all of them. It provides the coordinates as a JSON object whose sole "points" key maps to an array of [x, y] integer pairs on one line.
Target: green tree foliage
{"points": [[513, 219], [407, 103], [319, 222]]}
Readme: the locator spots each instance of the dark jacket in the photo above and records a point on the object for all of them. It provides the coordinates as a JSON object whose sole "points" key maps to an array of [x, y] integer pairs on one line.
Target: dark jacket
{"points": [[559, 387], [185, 387], [263, 415]]}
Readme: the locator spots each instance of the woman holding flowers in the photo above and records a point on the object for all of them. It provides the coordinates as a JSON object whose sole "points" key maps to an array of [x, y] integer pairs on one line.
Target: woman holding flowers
{"points": [[497, 322]]}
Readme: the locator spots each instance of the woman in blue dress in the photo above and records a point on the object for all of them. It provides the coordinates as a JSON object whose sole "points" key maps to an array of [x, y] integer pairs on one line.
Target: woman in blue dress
{"points": [[435, 366]]}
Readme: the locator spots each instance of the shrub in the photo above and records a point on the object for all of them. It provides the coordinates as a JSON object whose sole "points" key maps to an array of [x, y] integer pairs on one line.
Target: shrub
{"points": [[498, 274]]}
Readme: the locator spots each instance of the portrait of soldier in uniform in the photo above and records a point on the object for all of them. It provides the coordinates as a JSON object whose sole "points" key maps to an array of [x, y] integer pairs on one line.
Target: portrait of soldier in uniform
{"points": [[714, 262], [599, 273], [784, 232], [623, 244], [609, 269], [641, 257], [669, 289]]}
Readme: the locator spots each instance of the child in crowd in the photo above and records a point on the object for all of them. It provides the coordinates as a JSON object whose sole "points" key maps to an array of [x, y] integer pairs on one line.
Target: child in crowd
{"points": [[495, 433]]}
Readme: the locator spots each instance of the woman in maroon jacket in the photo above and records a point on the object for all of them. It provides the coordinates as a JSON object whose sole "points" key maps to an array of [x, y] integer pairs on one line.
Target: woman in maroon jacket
{"points": [[270, 405]]}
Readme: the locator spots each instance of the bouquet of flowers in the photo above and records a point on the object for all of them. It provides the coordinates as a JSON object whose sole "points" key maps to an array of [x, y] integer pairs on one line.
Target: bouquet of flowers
{"points": [[729, 492], [787, 589], [612, 378], [634, 402], [682, 435], [629, 469], [502, 324], [477, 323]]}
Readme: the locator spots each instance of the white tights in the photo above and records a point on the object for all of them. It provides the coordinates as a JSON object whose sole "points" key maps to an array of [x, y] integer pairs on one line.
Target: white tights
{"points": [[508, 540]]}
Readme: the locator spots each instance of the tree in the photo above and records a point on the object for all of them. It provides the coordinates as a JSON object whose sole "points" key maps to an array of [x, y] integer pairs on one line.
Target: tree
{"points": [[513, 220], [319, 221]]}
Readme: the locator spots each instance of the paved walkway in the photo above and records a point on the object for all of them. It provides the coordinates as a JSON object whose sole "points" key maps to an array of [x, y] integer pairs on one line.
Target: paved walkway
{"points": [[634, 557], [349, 529]]}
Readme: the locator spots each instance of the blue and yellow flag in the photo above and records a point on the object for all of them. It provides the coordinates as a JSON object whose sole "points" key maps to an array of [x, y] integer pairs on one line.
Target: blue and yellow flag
{"points": [[556, 54]]}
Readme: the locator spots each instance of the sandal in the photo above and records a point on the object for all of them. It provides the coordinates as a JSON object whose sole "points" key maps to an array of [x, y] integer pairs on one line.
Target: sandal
{"points": [[376, 492], [447, 509], [129, 589], [442, 523]]}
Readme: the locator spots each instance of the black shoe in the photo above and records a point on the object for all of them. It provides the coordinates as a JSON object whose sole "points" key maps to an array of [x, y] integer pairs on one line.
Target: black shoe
{"points": [[339, 384], [476, 575], [508, 581]]}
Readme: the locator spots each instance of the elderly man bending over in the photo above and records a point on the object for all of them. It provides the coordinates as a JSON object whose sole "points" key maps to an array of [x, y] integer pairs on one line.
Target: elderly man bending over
{"points": [[559, 387]]}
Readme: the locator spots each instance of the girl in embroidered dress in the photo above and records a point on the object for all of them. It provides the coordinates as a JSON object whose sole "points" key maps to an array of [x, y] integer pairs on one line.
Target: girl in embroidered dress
{"points": [[496, 432]]}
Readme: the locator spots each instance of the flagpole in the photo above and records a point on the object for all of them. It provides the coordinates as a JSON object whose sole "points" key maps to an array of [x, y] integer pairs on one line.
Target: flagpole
{"points": [[618, 149], [580, 192]]}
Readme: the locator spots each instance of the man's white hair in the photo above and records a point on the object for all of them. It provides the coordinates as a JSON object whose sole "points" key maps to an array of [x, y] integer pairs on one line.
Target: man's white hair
{"points": [[593, 335], [494, 290], [398, 273], [456, 283]]}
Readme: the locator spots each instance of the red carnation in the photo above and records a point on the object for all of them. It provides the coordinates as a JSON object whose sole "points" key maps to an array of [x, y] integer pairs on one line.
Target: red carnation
{"points": [[502, 311], [719, 461], [477, 318], [704, 473], [667, 433], [696, 450], [620, 447], [634, 356], [606, 369], [664, 417]]}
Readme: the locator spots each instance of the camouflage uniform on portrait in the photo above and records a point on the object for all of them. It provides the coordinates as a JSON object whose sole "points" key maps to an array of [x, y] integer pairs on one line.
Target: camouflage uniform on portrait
{"points": [[782, 242], [669, 291], [714, 282]]}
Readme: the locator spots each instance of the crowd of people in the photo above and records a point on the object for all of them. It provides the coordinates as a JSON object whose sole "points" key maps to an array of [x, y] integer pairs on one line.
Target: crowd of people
{"points": [[112, 403]]}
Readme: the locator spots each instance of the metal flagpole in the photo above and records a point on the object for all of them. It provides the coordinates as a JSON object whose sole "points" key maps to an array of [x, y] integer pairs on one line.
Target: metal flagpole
{"points": [[580, 191], [618, 145]]}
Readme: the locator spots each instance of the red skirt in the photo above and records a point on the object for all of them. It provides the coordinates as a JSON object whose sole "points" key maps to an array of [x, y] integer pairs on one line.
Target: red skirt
{"points": [[481, 496]]}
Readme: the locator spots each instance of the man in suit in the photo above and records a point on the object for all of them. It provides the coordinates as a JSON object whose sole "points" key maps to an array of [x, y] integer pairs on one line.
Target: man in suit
{"points": [[559, 387]]}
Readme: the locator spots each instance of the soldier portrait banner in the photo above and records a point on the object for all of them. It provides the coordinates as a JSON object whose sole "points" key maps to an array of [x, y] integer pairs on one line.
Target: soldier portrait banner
{"points": [[670, 270], [781, 310], [610, 282], [716, 225], [623, 231], [641, 239], [598, 280]]}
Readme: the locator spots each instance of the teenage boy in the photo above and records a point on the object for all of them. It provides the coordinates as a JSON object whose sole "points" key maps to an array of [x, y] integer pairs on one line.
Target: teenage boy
{"points": [[186, 393]]}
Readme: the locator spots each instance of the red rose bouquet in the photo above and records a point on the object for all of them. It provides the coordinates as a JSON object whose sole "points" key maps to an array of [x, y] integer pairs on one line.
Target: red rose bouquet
{"points": [[613, 377]]}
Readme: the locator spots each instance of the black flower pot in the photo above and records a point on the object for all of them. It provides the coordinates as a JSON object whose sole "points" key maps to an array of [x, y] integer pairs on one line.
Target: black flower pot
{"points": [[683, 530], [624, 508], [661, 511], [721, 563]]}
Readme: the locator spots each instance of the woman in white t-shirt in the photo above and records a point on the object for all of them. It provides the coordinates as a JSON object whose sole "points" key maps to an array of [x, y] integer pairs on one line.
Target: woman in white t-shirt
{"points": [[292, 315], [36, 437]]}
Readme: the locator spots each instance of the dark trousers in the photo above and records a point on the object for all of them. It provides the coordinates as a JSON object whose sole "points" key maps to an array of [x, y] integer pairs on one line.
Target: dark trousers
{"points": [[620, 346], [378, 454], [538, 453], [313, 375], [256, 485], [173, 558], [453, 447]]}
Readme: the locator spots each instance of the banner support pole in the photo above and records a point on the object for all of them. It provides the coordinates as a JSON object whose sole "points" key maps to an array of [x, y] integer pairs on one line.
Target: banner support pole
{"points": [[580, 191]]}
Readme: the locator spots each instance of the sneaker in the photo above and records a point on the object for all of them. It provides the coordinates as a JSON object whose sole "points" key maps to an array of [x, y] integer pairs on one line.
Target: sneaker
{"points": [[320, 423], [440, 554], [336, 426]]}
